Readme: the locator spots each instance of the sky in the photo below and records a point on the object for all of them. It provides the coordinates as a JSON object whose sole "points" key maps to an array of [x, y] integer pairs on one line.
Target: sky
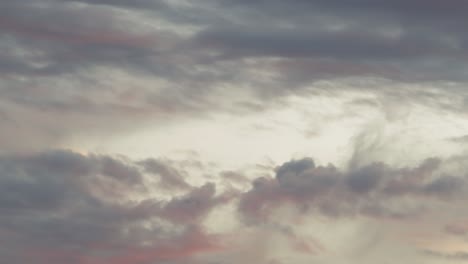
{"points": [[233, 131]]}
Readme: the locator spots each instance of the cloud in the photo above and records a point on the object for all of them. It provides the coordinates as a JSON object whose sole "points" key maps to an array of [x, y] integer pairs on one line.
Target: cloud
{"points": [[60, 205], [461, 256], [367, 178], [95, 62], [169, 177], [412, 10], [63, 206], [66, 38], [457, 228], [343, 45], [193, 206], [89, 75], [190, 243], [374, 190]]}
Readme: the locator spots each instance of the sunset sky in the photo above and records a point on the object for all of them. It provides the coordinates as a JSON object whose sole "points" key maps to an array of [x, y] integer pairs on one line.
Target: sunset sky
{"points": [[233, 131]]}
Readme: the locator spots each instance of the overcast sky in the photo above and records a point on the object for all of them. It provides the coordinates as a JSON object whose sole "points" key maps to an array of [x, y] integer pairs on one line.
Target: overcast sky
{"points": [[233, 131]]}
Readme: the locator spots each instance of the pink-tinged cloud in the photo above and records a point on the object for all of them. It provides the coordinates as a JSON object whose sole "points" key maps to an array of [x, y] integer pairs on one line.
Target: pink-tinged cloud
{"points": [[458, 228], [302, 246], [194, 242], [77, 37]]}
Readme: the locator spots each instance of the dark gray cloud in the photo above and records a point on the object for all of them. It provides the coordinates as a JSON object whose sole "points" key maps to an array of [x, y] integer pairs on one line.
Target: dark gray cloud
{"points": [[195, 205], [62, 206], [370, 190], [167, 59], [96, 34], [59, 38], [303, 178], [300, 43], [170, 178], [411, 40], [448, 185], [404, 11], [123, 3], [367, 178]]}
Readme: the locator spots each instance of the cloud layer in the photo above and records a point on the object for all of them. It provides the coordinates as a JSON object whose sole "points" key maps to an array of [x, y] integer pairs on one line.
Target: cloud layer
{"points": [[127, 63], [348, 120], [60, 206]]}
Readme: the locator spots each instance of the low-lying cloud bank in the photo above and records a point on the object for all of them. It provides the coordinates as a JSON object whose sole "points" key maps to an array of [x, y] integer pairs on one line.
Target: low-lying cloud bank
{"points": [[61, 206]]}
